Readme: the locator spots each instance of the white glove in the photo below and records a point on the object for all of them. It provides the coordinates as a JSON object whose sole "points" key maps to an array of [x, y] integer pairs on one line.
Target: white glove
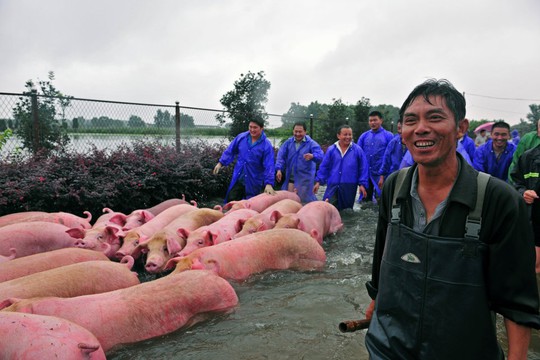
{"points": [[217, 168]]}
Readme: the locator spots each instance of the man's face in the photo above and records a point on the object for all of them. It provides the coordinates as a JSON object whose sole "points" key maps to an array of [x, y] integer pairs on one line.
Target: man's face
{"points": [[375, 122], [499, 138], [255, 130], [399, 128], [345, 136], [299, 132], [430, 131]]}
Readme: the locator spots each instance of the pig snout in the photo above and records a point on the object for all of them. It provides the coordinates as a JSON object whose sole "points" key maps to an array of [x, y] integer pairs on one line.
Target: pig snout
{"points": [[119, 255], [80, 243], [154, 265]]}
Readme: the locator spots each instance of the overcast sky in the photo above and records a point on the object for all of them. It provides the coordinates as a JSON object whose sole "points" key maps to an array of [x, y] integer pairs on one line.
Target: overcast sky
{"points": [[163, 51]]}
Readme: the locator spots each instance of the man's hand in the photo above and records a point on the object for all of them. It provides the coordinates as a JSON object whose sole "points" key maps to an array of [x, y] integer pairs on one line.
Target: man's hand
{"points": [[316, 187], [381, 182], [279, 175], [268, 189], [529, 196], [308, 156], [217, 168], [370, 309], [362, 190]]}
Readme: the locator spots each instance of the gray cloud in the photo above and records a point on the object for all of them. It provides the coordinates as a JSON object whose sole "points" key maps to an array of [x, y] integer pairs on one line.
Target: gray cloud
{"points": [[193, 51]]}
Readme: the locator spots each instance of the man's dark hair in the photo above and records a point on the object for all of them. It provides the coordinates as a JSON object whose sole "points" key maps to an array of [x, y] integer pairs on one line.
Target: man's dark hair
{"points": [[376, 113], [257, 119], [500, 124], [300, 123], [342, 127], [432, 87]]}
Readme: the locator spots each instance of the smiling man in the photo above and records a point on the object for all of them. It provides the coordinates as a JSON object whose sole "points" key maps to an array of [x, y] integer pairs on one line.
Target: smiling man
{"points": [[344, 169], [452, 246], [495, 156]]}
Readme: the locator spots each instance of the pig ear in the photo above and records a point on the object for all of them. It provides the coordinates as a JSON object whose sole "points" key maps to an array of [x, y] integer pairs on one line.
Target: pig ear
{"points": [[138, 250], [229, 205], [8, 302], [182, 232], [218, 208], [119, 219], [146, 215], [173, 247], [76, 233], [238, 225], [275, 216], [212, 236], [315, 234]]}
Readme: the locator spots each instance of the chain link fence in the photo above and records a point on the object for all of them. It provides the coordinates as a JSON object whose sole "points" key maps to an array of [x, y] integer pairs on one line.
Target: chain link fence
{"points": [[104, 124]]}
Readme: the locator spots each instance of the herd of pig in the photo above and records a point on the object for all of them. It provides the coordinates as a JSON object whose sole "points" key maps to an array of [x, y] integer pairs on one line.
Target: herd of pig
{"points": [[61, 296]]}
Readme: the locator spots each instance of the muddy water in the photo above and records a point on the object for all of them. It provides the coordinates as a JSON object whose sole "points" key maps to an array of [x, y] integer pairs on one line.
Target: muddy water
{"points": [[290, 315]]}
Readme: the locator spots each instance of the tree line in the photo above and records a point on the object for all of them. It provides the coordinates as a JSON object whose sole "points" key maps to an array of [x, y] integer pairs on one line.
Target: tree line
{"points": [[246, 101]]}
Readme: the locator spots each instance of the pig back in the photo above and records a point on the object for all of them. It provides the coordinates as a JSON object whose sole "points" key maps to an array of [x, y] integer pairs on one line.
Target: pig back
{"points": [[84, 278], [45, 261]]}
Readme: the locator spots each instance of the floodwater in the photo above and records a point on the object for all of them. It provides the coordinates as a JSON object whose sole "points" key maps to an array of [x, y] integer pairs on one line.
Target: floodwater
{"points": [[290, 315]]}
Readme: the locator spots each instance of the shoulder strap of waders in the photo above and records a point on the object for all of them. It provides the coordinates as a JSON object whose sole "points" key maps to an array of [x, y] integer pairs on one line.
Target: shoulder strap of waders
{"points": [[396, 210], [474, 219]]}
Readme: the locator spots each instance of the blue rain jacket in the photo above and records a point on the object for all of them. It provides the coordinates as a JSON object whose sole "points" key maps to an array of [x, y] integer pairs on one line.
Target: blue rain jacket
{"points": [[392, 156], [255, 163], [469, 145], [485, 160], [342, 175], [374, 144], [292, 161]]}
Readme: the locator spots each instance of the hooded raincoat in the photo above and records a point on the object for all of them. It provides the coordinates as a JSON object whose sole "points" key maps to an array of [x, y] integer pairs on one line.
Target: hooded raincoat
{"points": [[343, 174], [291, 161], [255, 163]]}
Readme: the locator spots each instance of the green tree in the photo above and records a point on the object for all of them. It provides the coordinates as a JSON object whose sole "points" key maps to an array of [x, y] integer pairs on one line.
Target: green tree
{"points": [[163, 119], [50, 103], [338, 114], [245, 102], [186, 121], [136, 122], [534, 115], [4, 136], [295, 113], [361, 117]]}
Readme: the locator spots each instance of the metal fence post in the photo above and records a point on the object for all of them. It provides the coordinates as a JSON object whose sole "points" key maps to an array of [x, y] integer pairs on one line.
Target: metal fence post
{"points": [[35, 121], [177, 123], [311, 125]]}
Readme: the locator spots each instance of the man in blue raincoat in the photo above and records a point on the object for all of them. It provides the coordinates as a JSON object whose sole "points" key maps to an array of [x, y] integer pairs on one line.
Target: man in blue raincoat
{"points": [[298, 158], [393, 155], [374, 143], [344, 169], [495, 156], [254, 169]]}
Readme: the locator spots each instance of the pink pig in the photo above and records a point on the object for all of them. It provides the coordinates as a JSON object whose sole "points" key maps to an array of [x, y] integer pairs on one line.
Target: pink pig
{"points": [[139, 312], [29, 337], [44, 261], [140, 217], [276, 249], [91, 277], [29, 238], [222, 230], [103, 238], [267, 219], [167, 242], [61, 218], [260, 202], [317, 218], [133, 237]]}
